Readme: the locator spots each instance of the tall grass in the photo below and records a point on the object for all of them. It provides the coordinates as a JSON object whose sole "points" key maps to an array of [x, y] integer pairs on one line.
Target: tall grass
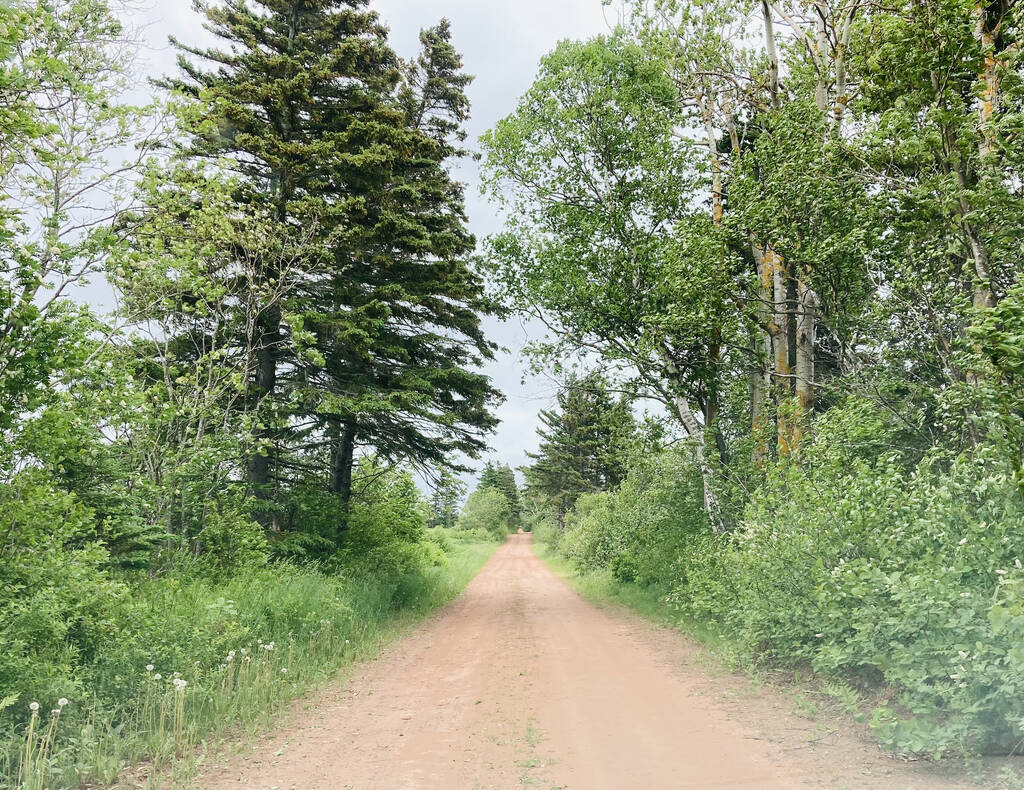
{"points": [[651, 601], [188, 657]]}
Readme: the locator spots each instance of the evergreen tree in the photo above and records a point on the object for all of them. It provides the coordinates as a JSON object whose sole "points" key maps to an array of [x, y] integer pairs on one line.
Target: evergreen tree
{"points": [[407, 386], [506, 484], [373, 333], [584, 444], [489, 476], [444, 504], [502, 479], [297, 103]]}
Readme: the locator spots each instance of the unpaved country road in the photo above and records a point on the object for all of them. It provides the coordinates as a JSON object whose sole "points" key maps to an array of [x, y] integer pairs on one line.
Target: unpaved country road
{"points": [[520, 682]]}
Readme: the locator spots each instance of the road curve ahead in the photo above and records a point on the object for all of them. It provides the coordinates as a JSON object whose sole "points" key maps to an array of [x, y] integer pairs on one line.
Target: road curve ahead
{"points": [[518, 683]]}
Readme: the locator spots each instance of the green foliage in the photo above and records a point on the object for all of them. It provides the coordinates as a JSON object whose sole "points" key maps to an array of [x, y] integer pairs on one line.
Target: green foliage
{"points": [[640, 531], [386, 528], [487, 510], [244, 644], [584, 444], [444, 504], [866, 567]]}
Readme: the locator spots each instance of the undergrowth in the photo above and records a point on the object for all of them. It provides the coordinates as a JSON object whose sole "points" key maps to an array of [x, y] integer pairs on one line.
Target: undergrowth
{"points": [[189, 656]]}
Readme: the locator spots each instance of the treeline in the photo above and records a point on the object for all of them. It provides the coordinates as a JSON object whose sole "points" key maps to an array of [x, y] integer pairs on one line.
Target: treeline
{"points": [[225, 457], [494, 507], [797, 226]]}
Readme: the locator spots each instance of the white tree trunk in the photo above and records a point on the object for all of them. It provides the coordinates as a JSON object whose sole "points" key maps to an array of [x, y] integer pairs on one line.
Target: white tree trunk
{"points": [[695, 432]]}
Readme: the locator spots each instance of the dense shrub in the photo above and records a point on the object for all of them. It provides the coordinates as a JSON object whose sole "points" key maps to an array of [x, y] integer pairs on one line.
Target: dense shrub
{"points": [[487, 510], [76, 623], [851, 558], [641, 531]]}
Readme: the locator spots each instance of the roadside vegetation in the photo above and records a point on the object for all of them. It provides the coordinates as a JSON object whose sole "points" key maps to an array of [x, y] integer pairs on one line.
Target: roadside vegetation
{"points": [[208, 495], [790, 231]]}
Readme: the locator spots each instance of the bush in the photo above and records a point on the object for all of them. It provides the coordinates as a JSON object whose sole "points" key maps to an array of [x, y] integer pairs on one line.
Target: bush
{"points": [[487, 510], [387, 535], [643, 530], [906, 571], [242, 642], [865, 568]]}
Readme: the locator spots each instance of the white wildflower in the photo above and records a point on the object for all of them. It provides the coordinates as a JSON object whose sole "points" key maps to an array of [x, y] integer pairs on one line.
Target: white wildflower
{"points": [[284, 670], [157, 676], [149, 667], [180, 684], [962, 542], [62, 702], [33, 706]]}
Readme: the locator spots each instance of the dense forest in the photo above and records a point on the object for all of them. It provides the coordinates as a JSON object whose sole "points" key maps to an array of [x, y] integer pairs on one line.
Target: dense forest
{"points": [[775, 251], [797, 228]]}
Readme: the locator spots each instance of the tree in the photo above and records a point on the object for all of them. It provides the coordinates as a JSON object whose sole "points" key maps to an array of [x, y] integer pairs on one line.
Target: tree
{"points": [[487, 509], [606, 239], [412, 391], [70, 146], [377, 336], [444, 504], [584, 444]]}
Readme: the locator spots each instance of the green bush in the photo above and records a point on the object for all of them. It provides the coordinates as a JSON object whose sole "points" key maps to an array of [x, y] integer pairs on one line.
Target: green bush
{"points": [[386, 536], [880, 568], [196, 627], [641, 531], [487, 510]]}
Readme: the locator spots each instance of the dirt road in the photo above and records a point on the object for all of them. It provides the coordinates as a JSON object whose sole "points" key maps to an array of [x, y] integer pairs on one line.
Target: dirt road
{"points": [[520, 682]]}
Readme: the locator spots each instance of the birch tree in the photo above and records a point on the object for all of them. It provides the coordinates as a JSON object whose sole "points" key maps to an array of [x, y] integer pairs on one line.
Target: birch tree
{"points": [[608, 240]]}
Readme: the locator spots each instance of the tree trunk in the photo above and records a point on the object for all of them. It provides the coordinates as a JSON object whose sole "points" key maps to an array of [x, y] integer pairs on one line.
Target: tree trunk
{"points": [[343, 445], [773, 55], [806, 323], [985, 31], [694, 431], [707, 110], [265, 338], [781, 332], [760, 374]]}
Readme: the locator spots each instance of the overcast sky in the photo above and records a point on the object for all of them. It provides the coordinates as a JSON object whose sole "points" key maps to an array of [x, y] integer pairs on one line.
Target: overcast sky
{"points": [[502, 42]]}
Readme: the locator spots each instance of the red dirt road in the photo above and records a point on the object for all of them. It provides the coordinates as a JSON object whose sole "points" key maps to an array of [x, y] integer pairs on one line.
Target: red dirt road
{"points": [[520, 682]]}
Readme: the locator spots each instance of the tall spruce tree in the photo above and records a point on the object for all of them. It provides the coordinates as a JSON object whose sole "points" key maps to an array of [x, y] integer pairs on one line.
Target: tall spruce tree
{"points": [[409, 386], [377, 338], [298, 104], [584, 444], [444, 504]]}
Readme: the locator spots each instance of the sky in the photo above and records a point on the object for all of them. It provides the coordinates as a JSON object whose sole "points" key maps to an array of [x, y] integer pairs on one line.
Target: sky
{"points": [[502, 42]]}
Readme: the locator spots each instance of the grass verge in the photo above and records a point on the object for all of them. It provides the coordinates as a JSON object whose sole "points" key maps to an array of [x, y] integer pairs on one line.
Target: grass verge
{"points": [[200, 660], [602, 588]]}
